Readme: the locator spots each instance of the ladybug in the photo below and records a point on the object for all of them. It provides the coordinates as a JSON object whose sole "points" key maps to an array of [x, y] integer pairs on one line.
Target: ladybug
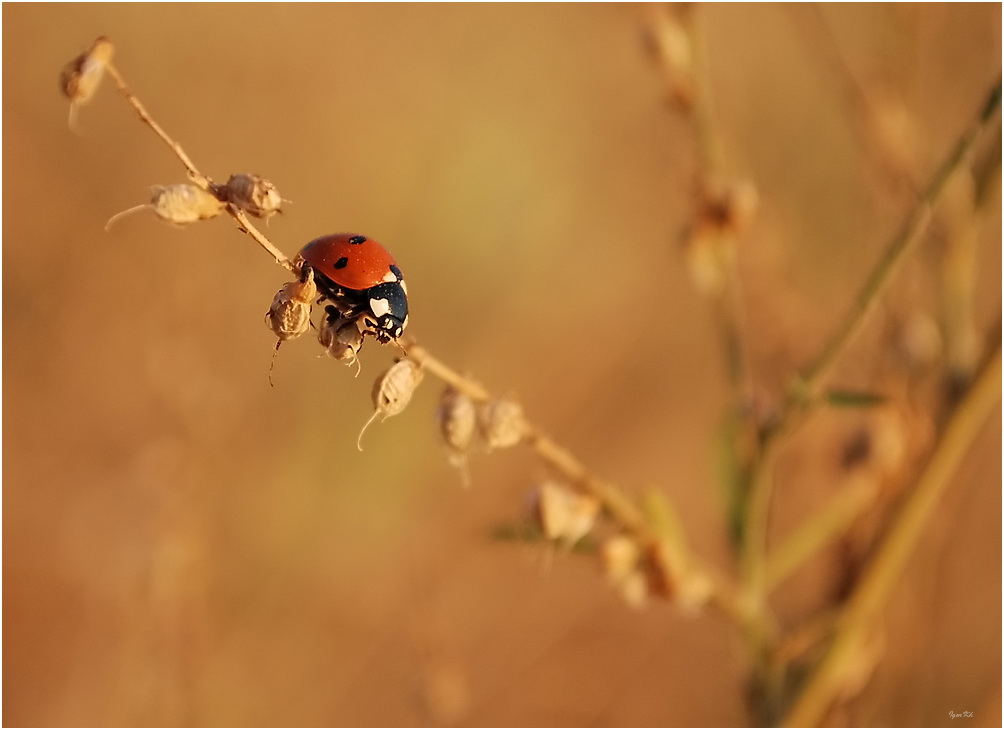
{"points": [[360, 277]]}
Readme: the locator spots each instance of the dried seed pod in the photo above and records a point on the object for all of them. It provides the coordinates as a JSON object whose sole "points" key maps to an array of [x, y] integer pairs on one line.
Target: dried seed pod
{"points": [[622, 561], [179, 204], [724, 212], [634, 589], [457, 418], [81, 76], [563, 514], [392, 392], [670, 576], [340, 337], [289, 315], [502, 423], [619, 556], [254, 195]]}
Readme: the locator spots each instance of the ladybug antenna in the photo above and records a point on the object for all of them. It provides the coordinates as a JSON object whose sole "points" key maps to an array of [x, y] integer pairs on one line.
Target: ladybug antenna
{"points": [[271, 366]]}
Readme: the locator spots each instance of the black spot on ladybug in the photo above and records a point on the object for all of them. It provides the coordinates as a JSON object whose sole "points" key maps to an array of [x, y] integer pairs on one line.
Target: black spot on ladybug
{"points": [[356, 240], [341, 263], [397, 272]]}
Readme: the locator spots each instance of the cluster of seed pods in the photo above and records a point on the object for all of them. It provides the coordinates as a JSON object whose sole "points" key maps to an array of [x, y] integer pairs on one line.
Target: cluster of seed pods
{"points": [[185, 203], [559, 512]]}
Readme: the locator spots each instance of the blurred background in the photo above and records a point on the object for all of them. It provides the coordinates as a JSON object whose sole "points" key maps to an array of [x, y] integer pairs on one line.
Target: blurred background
{"points": [[184, 545]]}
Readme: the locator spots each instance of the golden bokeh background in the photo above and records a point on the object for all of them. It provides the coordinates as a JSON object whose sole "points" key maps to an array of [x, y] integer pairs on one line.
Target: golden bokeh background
{"points": [[184, 545]]}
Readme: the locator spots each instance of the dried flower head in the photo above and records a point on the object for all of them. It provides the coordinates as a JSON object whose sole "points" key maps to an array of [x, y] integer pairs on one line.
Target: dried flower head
{"points": [[457, 418], [81, 76], [179, 204], [619, 557], [253, 194], [289, 315], [724, 212], [502, 423], [340, 337], [563, 514], [392, 392]]}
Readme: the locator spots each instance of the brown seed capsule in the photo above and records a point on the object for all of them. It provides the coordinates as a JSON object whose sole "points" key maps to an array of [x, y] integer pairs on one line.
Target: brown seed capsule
{"points": [[179, 204], [81, 76], [254, 195], [619, 556], [340, 337], [724, 212], [670, 576], [621, 559], [634, 589], [457, 417], [563, 514], [392, 392], [289, 315], [502, 423]]}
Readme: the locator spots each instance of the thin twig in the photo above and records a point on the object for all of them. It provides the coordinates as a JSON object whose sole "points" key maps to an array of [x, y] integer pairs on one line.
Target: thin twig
{"points": [[818, 531], [620, 507], [247, 227], [193, 172], [617, 503], [817, 36], [899, 248]]}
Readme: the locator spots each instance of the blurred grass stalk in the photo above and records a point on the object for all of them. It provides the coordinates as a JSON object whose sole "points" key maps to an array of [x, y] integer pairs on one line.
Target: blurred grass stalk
{"points": [[804, 389], [803, 395], [681, 57], [881, 574]]}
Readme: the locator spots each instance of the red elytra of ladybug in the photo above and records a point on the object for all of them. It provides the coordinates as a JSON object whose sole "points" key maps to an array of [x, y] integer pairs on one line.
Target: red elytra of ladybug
{"points": [[360, 277], [350, 260]]}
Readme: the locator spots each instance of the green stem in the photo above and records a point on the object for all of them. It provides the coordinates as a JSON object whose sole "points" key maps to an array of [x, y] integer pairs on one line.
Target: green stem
{"points": [[897, 251], [804, 388], [817, 532], [882, 573]]}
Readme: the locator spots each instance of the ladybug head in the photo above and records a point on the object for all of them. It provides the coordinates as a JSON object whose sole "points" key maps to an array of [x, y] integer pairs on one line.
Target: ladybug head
{"points": [[388, 306]]}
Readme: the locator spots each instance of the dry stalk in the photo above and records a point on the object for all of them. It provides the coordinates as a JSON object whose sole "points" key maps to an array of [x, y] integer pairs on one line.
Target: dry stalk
{"points": [[663, 545], [618, 506], [681, 56], [884, 570]]}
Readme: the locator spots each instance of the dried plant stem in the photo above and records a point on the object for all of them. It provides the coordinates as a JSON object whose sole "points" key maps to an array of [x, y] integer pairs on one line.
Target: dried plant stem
{"points": [[193, 172], [197, 177], [727, 306], [817, 35], [702, 114], [247, 227], [621, 508], [885, 569], [809, 383], [675, 31]]}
